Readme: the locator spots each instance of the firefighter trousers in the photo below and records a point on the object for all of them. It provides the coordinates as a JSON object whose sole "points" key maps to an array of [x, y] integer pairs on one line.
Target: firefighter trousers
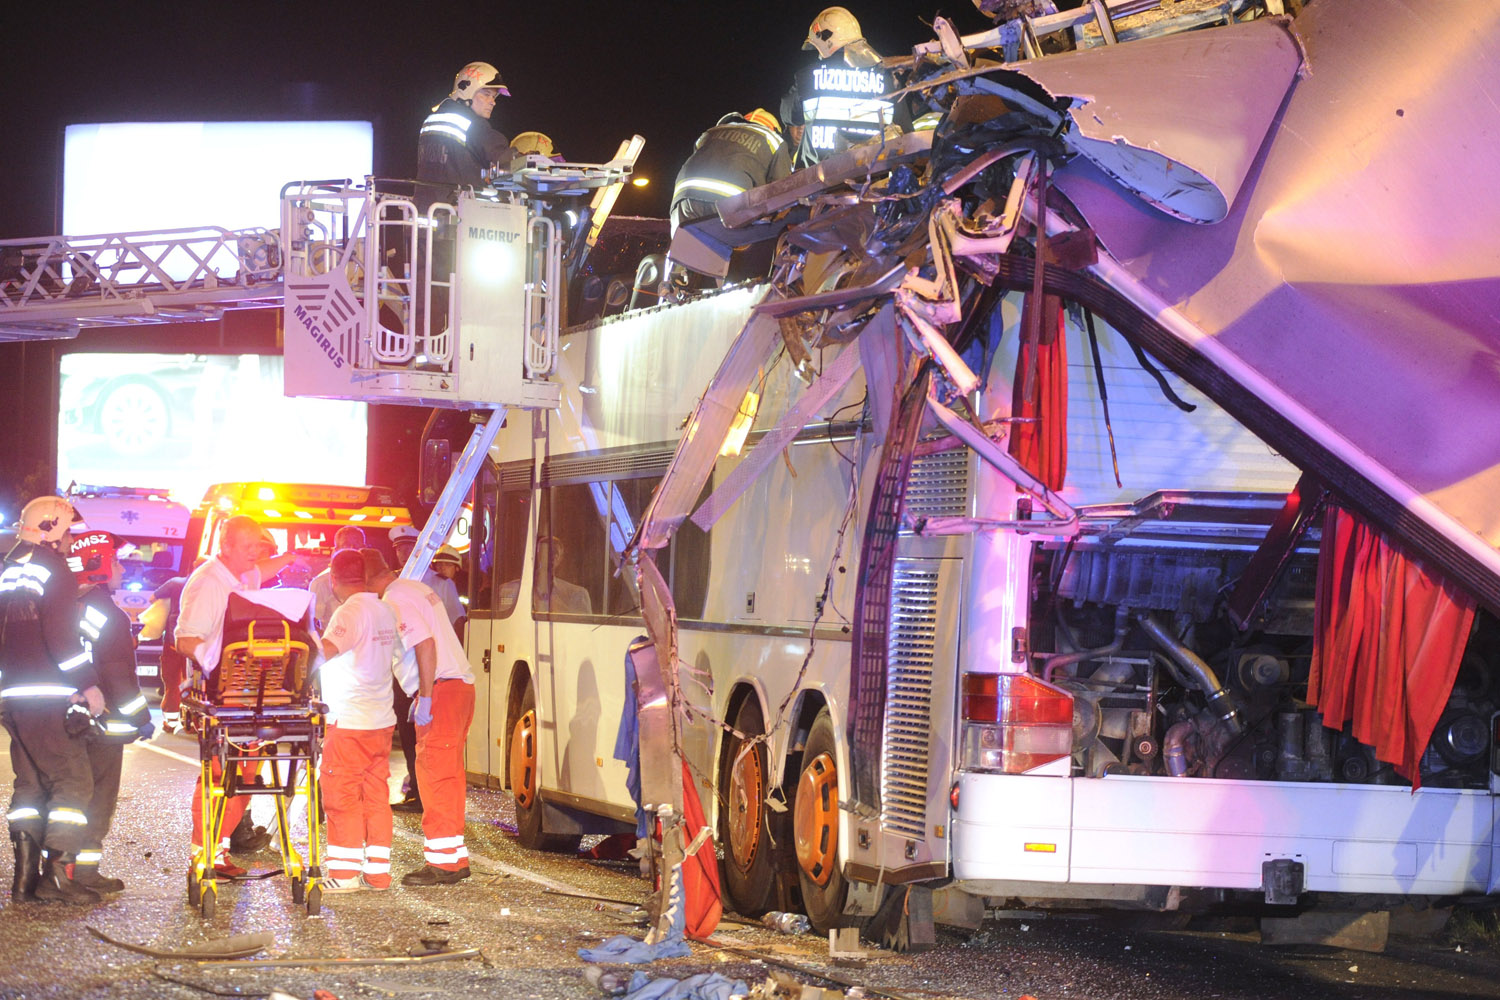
{"points": [[105, 758], [356, 773], [53, 779], [440, 774]]}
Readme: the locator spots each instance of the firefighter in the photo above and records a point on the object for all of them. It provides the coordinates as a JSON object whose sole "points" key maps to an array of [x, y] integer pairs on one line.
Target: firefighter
{"points": [[839, 101], [106, 634], [740, 152], [442, 710], [359, 644], [49, 693], [457, 141]]}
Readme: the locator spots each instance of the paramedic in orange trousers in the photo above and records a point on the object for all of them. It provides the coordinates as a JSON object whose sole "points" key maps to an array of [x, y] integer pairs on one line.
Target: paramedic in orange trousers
{"points": [[360, 645], [200, 638], [443, 709]]}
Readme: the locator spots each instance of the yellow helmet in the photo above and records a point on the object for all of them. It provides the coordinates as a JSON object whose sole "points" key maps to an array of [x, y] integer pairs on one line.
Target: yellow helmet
{"points": [[532, 142], [475, 77], [45, 521], [831, 31], [764, 118]]}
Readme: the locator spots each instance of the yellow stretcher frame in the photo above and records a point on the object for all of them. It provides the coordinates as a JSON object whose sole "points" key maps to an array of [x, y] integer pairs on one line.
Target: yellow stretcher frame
{"points": [[258, 708]]}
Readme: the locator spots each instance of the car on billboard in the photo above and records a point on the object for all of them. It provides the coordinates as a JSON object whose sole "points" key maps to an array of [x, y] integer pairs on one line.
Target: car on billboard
{"points": [[132, 405]]}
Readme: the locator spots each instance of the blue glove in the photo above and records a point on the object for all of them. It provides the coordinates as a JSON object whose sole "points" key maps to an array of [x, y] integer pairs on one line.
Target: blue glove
{"points": [[147, 730], [421, 711]]}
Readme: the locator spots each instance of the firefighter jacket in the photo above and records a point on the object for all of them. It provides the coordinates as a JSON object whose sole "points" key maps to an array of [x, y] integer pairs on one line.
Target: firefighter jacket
{"points": [[731, 157], [455, 144], [840, 102], [41, 655], [106, 632]]}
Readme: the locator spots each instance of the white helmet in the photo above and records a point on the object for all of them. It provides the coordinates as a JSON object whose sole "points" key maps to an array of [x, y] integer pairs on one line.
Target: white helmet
{"points": [[404, 532], [475, 77], [46, 520], [831, 31]]}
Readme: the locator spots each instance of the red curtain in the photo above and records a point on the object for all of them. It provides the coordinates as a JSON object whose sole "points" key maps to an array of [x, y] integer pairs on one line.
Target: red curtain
{"points": [[1387, 643], [1041, 443], [700, 873]]}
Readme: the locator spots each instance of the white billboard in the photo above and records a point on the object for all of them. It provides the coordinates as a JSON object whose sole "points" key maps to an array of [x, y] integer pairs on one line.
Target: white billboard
{"points": [[183, 422], [135, 177]]}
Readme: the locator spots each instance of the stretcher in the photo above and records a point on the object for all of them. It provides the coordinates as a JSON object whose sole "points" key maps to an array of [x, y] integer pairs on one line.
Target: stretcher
{"points": [[258, 715]]}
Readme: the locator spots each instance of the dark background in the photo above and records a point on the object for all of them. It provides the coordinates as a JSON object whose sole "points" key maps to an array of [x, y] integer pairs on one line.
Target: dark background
{"points": [[587, 74]]}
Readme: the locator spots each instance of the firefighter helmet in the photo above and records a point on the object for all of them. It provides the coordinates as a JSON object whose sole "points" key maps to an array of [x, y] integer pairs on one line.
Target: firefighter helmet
{"points": [[532, 142], [831, 31], [475, 77], [447, 554], [45, 521], [91, 556], [764, 118]]}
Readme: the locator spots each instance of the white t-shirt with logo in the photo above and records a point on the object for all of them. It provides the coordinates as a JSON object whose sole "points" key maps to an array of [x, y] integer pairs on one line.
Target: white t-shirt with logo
{"points": [[420, 615], [357, 682]]}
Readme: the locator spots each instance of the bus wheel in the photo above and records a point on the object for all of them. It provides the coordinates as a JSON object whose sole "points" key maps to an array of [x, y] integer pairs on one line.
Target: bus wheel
{"points": [[815, 819], [525, 783], [749, 866]]}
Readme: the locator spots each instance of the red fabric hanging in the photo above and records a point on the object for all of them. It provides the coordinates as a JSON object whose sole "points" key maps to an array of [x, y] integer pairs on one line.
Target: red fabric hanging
{"points": [[1387, 644], [1041, 444], [702, 898]]}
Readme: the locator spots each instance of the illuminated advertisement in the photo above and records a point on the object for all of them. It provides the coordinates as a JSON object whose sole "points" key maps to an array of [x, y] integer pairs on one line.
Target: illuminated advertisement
{"points": [[183, 422], [135, 177]]}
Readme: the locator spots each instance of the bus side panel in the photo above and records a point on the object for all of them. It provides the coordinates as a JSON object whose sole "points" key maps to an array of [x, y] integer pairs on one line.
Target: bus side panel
{"points": [[1218, 833]]}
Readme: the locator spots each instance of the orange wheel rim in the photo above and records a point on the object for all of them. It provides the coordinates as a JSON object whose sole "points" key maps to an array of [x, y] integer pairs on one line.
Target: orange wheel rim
{"points": [[817, 818], [523, 760], [747, 798]]}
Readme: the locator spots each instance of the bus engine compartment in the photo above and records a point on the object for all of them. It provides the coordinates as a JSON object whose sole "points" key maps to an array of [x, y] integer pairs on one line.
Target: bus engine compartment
{"points": [[1130, 618]]}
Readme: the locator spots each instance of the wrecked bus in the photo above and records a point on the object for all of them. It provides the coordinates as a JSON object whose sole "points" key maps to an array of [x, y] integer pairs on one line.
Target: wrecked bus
{"points": [[1137, 578]]}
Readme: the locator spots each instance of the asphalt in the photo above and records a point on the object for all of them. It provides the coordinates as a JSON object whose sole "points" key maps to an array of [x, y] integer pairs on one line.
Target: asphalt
{"points": [[527, 914]]}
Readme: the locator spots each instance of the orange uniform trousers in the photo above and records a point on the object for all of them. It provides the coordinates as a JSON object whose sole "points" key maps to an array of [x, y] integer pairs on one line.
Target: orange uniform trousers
{"points": [[356, 775], [440, 774], [234, 805]]}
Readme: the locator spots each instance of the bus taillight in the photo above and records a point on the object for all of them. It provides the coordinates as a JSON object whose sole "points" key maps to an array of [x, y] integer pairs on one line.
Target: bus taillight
{"points": [[1014, 722]]}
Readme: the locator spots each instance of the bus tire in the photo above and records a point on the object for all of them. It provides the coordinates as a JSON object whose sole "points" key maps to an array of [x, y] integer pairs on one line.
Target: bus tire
{"points": [[815, 820], [745, 821], [525, 783]]}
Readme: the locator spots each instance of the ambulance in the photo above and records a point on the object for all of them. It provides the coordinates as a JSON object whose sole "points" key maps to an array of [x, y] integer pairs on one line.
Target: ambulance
{"points": [[299, 516], [154, 528]]}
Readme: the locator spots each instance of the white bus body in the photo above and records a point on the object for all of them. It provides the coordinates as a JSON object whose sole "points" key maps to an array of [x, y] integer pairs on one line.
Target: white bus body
{"points": [[1097, 824]]}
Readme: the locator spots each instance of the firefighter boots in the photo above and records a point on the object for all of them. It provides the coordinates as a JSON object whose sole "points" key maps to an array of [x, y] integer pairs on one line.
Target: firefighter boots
{"points": [[88, 876], [28, 868], [56, 887]]}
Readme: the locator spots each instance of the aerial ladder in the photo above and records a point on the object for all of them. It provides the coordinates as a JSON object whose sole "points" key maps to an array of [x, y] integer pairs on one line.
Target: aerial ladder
{"points": [[392, 291]]}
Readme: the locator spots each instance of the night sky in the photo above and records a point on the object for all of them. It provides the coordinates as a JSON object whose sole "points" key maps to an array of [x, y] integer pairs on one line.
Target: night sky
{"points": [[587, 74]]}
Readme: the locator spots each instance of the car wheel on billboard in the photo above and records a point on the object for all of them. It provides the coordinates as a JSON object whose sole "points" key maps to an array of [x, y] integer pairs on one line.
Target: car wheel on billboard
{"points": [[134, 416]]}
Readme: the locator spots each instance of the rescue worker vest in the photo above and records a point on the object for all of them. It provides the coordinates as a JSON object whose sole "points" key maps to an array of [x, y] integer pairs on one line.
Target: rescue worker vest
{"points": [[41, 656], [455, 145], [839, 105], [728, 159], [106, 632]]}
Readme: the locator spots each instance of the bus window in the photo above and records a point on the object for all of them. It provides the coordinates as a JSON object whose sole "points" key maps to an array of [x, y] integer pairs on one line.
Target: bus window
{"points": [[572, 561], [506, 534]]}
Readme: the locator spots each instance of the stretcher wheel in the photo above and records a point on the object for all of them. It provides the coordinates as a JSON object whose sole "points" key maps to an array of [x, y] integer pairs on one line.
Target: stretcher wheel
{"points": [[314, 900], [210, 901], [195, 891], [299, 890]]}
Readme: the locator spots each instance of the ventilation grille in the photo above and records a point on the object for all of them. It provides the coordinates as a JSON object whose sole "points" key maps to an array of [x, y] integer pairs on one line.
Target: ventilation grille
{"points": [[938, 485], [908, 714]]}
